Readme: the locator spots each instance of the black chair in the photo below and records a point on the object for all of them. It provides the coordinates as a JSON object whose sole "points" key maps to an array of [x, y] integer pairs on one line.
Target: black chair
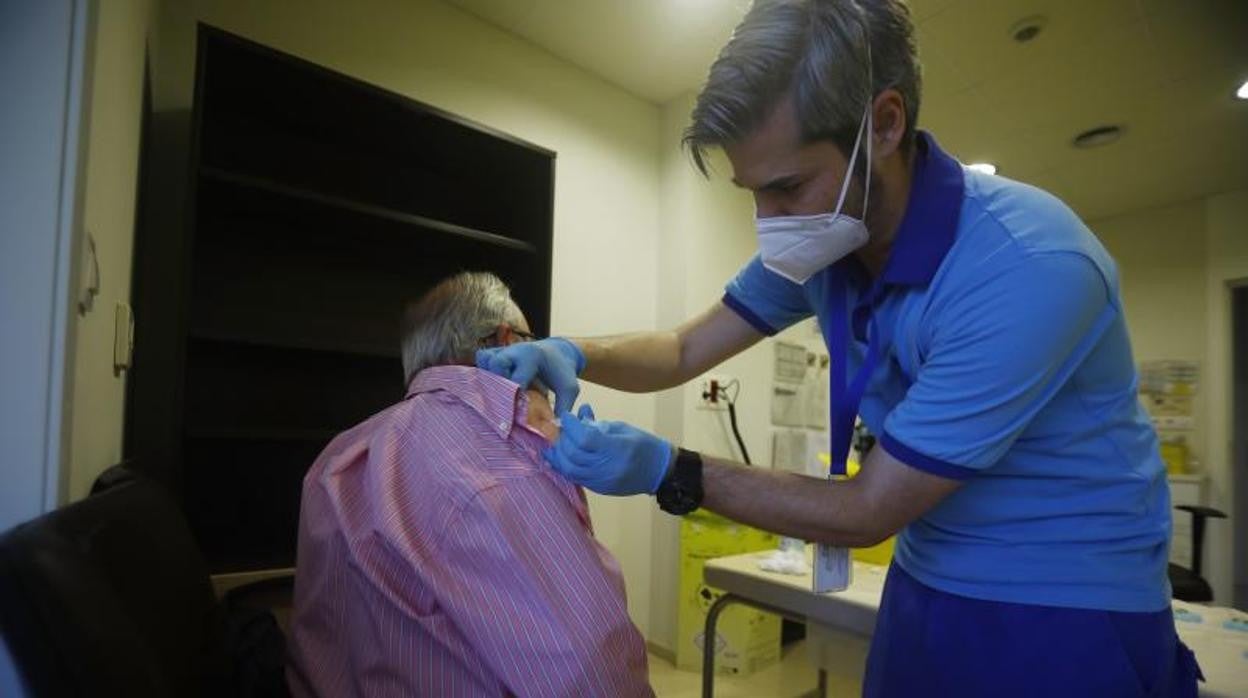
{"points": [[110, 596], [1187, 584]]}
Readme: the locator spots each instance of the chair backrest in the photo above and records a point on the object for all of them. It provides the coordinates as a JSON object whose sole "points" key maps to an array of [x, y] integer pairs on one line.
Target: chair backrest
{"points": [[1199, 514], [110, 596]]}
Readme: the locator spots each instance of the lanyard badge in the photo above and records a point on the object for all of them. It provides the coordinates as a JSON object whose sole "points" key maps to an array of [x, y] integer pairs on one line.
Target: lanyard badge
{"points": [[833, 568]]}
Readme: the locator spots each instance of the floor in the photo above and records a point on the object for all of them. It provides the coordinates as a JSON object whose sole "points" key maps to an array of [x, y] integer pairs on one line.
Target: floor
{"points": [[792, 677]]}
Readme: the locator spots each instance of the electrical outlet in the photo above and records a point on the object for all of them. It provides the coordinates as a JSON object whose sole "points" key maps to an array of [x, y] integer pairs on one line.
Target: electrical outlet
{"points": [[709, 395]]}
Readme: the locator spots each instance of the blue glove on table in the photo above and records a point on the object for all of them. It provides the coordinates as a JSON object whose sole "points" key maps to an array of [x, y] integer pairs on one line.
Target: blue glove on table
{"points": [[555, 361], [608, 457]]}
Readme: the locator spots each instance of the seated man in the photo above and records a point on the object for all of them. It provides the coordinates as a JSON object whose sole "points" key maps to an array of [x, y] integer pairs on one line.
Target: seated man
{"points": [[438, 554]]}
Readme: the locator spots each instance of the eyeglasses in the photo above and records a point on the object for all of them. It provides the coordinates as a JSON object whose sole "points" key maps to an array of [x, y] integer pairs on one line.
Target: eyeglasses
{"points": [[526, 336]]}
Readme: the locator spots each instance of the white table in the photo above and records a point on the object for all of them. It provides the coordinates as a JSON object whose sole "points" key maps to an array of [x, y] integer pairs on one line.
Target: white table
{"points": [[1222, 650], [790, 596]]}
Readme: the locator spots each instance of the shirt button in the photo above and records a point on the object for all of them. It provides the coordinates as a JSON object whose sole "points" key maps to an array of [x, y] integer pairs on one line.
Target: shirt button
{"points": [[502, 425]]}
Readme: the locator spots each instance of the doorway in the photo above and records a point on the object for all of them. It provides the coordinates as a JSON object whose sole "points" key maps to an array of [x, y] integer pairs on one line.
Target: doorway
{"points": [[1239, 434]]}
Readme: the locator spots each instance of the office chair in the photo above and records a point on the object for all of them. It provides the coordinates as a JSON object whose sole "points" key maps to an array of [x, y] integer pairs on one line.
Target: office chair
{"points": [[110, 596], [1187, 584]]}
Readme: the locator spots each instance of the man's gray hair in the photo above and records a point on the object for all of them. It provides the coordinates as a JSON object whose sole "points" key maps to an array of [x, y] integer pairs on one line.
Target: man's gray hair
{"points": [[447, 324], [832, 56]]}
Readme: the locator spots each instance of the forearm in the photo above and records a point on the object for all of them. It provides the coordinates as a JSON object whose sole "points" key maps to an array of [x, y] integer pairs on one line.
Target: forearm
{"points": [[640, 362], [836, 513]]}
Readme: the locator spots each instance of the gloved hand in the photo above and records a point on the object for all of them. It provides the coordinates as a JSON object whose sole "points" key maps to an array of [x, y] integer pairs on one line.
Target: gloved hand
{"points": [[556, 361], [609, 457]]}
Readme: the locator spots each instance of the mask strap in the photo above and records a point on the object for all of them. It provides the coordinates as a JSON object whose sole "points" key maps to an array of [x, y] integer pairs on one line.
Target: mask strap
{"points": [[867, 193], [853, 158]]}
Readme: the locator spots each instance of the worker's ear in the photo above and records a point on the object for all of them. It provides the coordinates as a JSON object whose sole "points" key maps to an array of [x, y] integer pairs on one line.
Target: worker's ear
{"points": [[889, 117]]}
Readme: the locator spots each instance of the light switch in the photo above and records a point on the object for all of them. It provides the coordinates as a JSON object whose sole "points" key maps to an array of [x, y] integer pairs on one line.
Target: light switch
{"points": [[123, 338]]}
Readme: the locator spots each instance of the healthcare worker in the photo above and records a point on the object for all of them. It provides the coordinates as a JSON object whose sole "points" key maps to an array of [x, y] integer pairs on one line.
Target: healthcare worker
{"points": [[974, 324]]}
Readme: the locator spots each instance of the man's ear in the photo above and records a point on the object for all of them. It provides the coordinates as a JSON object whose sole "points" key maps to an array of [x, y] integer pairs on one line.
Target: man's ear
{"points": [[889, 117], [503, 335]]}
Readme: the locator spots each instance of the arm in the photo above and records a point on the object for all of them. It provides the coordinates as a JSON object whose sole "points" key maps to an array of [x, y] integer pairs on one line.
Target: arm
{"points": [[542, 603], [885, 496], [756, 303], [648, 361], [616, 458], [1007, 346], [637, 362]]}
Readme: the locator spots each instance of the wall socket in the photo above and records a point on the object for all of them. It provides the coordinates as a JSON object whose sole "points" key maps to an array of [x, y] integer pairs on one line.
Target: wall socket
{"points": [[709, 397]]}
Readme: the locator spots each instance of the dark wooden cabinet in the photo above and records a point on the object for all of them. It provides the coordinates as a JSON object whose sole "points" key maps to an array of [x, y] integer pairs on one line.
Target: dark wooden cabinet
{"points": [[284, 223]]}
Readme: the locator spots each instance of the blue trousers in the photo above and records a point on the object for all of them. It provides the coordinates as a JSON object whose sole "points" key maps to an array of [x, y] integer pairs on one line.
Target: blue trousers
{"points": [[930, 643]]}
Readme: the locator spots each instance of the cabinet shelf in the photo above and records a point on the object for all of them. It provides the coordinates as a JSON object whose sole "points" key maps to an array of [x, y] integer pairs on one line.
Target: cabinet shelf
{"points": [[360, 208], [286, 219], [261, 434], [360, 349]]}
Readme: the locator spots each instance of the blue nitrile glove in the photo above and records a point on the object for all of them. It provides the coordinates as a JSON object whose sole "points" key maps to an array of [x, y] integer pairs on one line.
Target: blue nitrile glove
{"points": [[556, 361], [608, 457]]}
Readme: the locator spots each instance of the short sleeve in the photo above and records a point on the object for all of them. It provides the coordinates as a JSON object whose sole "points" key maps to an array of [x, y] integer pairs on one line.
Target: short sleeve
{"points": [[766, 300], [997, 354]]}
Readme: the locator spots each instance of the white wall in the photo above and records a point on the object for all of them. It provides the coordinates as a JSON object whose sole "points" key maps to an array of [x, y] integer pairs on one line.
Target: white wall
{"points": [[45, 72], [1227, 248], [111, 188], [1161, 255], [1176, 264], [43, 47]]}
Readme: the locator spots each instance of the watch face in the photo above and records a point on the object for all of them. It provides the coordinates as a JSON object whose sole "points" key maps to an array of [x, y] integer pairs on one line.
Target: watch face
{"points": [[682, 493], [675, 500]]}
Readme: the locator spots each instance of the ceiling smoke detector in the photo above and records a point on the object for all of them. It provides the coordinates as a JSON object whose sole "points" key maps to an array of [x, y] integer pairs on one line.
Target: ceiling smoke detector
{"points": [[1097, 137], [1028, 28]]}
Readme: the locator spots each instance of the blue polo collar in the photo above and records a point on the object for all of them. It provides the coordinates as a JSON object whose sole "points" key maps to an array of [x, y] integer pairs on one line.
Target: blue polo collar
{"points": [[930, 224]]}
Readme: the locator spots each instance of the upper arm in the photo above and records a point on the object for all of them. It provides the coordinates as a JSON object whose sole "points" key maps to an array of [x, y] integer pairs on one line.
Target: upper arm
{"points": [[765, 300], [756, 303], [715, 335], [535, 597], [997, 356]]}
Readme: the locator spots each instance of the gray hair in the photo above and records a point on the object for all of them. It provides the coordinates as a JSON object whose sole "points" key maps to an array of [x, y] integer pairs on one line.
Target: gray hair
{"points": [[832, 56], [447, 324]]}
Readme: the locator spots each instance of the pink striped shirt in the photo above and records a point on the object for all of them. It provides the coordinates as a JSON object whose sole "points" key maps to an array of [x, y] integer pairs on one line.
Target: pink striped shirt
{"points": [[440, 556]]}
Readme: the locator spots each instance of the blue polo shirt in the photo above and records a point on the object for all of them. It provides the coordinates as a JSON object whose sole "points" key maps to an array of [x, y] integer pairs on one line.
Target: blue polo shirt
{"points": [[1004, 363]]}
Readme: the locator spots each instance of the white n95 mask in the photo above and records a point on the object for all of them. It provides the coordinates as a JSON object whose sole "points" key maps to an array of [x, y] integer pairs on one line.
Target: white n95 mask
{"points": [[798, 247]]}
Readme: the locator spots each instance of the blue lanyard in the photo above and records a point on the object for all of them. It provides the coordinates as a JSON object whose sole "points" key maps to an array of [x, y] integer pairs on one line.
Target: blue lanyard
{"points": [[845, 393]]}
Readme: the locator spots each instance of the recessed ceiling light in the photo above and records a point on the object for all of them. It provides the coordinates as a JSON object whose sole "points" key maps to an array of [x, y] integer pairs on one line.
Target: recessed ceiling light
{"points": [[1028, 28], [1242, 92], [985, 167], [1096, 137]]}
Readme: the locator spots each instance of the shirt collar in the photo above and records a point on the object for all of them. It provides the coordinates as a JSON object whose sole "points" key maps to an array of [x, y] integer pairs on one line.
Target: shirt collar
{"points": [[493, 397], [930, 224]]}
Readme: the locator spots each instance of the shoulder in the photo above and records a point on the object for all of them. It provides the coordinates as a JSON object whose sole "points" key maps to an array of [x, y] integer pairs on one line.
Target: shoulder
{"points": [[1008, 228]]}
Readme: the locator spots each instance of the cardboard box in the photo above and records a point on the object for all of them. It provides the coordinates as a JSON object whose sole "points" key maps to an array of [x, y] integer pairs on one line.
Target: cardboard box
{"points": [[746, 640]]}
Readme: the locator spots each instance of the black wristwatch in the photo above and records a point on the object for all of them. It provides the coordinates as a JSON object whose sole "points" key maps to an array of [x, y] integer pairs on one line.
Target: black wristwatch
{"points": [[681, 491]]}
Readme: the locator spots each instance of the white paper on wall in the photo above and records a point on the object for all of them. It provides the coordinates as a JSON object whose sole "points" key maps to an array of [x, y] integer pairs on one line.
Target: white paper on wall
{"points": [[800, 451], [790, 364], [788, 450], [786, 405], [816, 394]]}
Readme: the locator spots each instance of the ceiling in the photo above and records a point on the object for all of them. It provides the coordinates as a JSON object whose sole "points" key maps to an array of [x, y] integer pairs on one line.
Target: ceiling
{"points": [[1165, 69]]}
